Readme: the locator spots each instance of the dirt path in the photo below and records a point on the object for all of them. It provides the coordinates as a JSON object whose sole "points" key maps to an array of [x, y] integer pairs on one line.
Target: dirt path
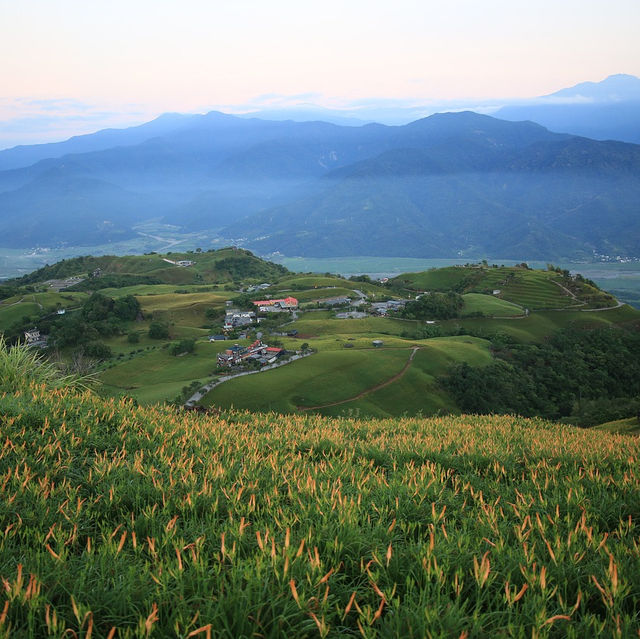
{"points": [[373, 389], [571, 295]]}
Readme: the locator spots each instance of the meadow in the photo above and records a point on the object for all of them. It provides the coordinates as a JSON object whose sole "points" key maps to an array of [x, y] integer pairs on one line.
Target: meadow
{"points": [[331, 381], [122, 521]]}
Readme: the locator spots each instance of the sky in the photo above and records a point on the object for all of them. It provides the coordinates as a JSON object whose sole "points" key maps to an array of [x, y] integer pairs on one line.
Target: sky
{"points": [[73, 66]]}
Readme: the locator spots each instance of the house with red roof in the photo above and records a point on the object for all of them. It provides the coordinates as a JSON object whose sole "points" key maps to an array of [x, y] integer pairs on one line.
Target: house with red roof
{"points": [[285, 304]]}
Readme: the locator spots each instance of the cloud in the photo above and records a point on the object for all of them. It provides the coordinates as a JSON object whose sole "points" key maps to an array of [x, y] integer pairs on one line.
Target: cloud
{"points": [[33, 120]]}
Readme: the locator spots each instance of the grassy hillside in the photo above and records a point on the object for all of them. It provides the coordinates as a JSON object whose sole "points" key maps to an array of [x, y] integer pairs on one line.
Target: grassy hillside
{"points": [[346, 376], [488, 305], [379, 382], [212, 266], [134, 522], [533, 289], [629, 426]]}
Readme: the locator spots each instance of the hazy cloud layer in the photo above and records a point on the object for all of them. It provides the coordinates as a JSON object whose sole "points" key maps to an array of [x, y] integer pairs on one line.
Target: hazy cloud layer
{"points": [[36, 120]]}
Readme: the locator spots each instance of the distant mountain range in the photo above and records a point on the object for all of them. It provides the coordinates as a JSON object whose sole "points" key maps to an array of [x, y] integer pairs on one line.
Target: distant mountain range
{"points": [[454, 184], [607, 110]]}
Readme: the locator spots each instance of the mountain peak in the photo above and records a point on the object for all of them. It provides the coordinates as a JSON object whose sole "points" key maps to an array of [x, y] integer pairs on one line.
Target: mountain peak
{"points": [[614, 88]]}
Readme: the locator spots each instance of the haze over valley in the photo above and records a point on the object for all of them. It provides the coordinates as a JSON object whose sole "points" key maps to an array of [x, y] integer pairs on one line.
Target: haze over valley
{"points": [[451, 185]]}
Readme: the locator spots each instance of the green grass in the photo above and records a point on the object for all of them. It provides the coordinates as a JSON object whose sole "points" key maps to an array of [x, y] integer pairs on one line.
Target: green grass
{"points": [[150, 522], [319, 379], [309, 325], [629, 426], [13, 309], [441, 279], [157, 375], [489, 305], [418, 392], [10, 315], [537, 326], [335, 374]]}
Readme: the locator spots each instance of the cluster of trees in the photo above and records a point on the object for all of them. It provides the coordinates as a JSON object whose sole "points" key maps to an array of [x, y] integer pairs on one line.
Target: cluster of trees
{"points": [[244, 265], [99, 317], [586, 377], [434, 306], [183, 346]]}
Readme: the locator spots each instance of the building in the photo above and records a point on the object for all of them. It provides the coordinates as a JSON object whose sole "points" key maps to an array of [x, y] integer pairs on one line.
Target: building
{"points": [[32, 336], [237, 354], [285, 304], [335, 301], [234, 319]]}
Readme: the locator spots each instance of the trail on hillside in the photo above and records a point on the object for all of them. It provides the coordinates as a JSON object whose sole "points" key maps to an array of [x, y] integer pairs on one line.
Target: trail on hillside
{"points": [[368, 391]]}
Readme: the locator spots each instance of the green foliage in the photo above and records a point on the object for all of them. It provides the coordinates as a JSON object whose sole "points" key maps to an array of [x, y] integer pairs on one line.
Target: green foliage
{"points": [[21, 366], [554, 379], [158, 330], [434, 306], [153, 522], [99, 317], [183, 346], [98, 350]]}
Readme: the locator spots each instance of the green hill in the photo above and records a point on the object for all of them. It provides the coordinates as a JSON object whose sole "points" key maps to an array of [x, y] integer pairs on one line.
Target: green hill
{"points": [[534, 289], [209, 267], [123, 521]]}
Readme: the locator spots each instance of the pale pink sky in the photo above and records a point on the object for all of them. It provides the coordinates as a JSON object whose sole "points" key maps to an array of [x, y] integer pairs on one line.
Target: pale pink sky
{"points": [[97, 62]]}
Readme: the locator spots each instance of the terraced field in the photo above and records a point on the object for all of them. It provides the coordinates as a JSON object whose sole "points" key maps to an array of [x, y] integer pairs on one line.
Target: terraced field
{"points": [[308, 325], [489, 305], [535, 290]]}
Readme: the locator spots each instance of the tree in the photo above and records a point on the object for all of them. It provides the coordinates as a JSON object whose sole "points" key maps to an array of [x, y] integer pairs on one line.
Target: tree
{"points": [[183, 346], [98, 350], [158, 330]]}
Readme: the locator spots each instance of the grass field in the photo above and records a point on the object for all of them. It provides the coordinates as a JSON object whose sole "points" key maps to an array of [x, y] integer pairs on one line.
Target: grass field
{"points": [[418, 392], [322, 378], [157, 375], [139, 522], [309, 325], [13, 309], [489, 305], [537, 326], [629, 426], [335, 374], [320, 281]]}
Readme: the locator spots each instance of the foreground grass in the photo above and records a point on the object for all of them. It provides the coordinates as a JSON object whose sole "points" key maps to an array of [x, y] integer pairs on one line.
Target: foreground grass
{"points": [[130, 522]]}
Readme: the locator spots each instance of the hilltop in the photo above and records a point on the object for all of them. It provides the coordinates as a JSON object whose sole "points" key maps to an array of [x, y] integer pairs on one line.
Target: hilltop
{"points": [[128, 521], [194, 267]]}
